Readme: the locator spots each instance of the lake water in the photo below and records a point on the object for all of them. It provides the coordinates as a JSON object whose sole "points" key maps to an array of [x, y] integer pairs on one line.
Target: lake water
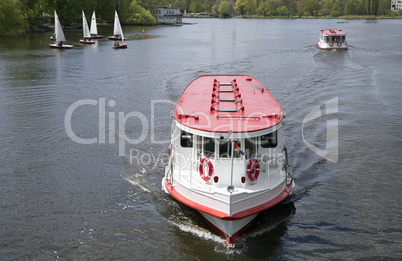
{"points": [[65, 200]]}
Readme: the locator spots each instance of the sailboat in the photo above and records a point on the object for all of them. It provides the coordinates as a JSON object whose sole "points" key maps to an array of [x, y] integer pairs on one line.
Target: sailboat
{"points": [[85, 29], [60, 38], [94, 28], [117, 33]]}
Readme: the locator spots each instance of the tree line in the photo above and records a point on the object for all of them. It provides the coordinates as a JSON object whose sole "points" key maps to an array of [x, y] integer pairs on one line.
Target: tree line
{"points": [[19, 16]]}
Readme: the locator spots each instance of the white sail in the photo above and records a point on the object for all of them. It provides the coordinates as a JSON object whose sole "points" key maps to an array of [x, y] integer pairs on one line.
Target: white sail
{"points": [[57, 27], [94, 28], [85, 26], [117, 26]]}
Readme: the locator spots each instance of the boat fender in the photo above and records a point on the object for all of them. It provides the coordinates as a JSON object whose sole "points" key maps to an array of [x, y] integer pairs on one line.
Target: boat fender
{"points": [[253, 169], [331, 44], [339, 44], [206, 163]]}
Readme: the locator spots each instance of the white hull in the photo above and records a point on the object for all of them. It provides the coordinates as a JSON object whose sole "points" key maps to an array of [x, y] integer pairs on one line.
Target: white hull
{"points": [[323, 45]]}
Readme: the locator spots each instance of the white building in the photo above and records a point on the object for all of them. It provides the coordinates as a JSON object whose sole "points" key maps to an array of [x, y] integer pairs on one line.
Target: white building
{"points": [[396, 5], [167, 15]]}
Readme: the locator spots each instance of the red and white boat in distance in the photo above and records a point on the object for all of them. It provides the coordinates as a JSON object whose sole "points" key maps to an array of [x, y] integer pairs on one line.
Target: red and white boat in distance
{"points": [[227, 154], [117, 30], [332, 39], [59, 35], [94, 28], [85, 31]]}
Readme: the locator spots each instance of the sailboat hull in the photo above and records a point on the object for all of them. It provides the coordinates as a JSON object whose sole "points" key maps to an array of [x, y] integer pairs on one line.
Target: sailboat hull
{"points": [[121, 46], [87, 42], [64, 46], [95, 37], [113, 38]]}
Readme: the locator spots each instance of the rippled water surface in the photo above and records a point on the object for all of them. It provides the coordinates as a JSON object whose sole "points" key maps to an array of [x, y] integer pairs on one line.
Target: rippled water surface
{"points": [[64, 200]]}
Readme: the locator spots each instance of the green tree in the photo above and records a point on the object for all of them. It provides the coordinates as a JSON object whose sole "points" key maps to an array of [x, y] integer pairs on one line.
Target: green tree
{"points": [[240, 6], [327, 7], [215, 10], [274, 5], [196, 7], [225, 9], [12, 20], [139, 15], [251, 8], [264, 9], [372, 7], [282, 11], [312, 7]]}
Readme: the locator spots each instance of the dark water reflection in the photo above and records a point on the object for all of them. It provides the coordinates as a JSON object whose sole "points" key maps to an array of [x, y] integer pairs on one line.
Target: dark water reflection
{"points": [[64, 200]]}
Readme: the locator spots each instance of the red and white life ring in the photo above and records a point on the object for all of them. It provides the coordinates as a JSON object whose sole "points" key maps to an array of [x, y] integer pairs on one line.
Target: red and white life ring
{"points": [[339, 44], [331, 44], [206, 169], [253, 169]]}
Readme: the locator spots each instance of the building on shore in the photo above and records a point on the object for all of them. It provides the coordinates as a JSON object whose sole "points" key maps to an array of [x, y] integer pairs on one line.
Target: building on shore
{"points": [[167, 15], [396, 5]]}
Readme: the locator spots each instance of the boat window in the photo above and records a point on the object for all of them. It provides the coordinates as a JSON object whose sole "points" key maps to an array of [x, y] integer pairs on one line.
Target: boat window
{"points": [[250, 147], [209, 147], [225, 149], [326, 39], [186, 139], [269, 140]]}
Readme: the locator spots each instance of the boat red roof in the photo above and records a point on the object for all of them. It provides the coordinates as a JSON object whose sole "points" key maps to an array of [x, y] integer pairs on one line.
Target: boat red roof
{"points": [[333, 32], [219, 103]]}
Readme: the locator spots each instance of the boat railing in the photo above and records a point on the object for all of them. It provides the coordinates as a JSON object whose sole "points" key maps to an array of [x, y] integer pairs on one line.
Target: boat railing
{"points": [[273, 169]]}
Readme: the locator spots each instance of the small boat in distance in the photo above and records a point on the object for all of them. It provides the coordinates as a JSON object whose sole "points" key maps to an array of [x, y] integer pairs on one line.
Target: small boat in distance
{"points": [[85, 31], [227, 156], [117, 31], [118, 34], [60, 38], [94, 28], [332, 39]]}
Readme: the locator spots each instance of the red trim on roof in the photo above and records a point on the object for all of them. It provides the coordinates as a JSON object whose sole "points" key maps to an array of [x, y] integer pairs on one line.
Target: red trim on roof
{"points": [[333, 32]]}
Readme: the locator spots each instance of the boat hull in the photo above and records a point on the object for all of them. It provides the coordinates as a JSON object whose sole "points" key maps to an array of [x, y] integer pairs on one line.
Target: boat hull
{"points": [[95, 37], [121, 46], [87, 42], [230, 226], [112, 38], [64, 46], [328, 47]]}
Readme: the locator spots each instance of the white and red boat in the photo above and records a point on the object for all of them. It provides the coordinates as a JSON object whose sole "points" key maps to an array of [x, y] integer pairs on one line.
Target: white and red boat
{"points": [[85, 31], [94, 28], [117, 30], [332, 39], [59, 37], [227, 154]]}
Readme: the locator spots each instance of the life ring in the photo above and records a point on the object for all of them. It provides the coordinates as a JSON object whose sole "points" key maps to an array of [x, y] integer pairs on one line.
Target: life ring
{"points": [[339, 44], [331, 44], [205, 162], [253, 169]]}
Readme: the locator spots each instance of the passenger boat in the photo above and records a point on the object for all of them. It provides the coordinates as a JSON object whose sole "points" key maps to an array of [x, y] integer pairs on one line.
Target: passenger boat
{"points": [[332, 39], [85, 31], [227, 156], [117, 30], [60, 38], [94, 28]]}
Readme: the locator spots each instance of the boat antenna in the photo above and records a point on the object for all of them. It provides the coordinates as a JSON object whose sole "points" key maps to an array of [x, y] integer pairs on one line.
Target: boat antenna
{"points": [[227, 138]]}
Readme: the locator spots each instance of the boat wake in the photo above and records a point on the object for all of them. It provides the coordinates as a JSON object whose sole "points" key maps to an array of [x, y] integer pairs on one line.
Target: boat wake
{"points": [[135, 180]]}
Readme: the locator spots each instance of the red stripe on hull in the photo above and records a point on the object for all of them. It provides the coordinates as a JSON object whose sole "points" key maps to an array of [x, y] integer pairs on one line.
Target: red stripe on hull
{"points": [[216, 213]]}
